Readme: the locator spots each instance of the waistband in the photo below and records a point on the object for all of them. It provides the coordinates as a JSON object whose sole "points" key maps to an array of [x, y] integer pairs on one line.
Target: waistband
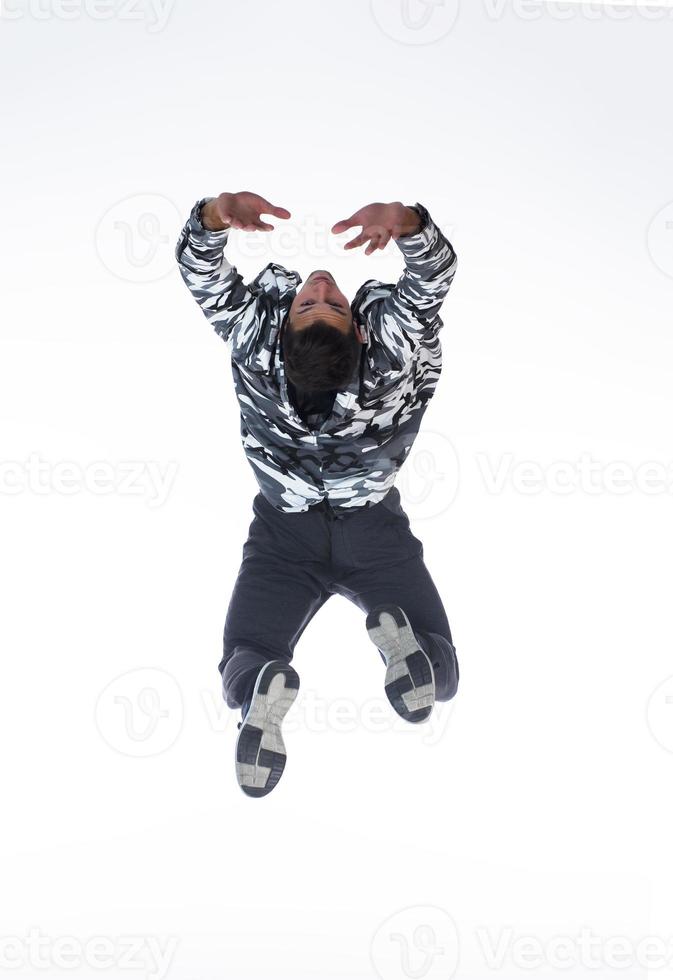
{"points": [[324, 507], [392, 499], [337, 512]]}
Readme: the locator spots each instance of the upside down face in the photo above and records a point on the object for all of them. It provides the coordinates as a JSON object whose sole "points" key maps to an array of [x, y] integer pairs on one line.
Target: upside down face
{"points": [[321, 298]]}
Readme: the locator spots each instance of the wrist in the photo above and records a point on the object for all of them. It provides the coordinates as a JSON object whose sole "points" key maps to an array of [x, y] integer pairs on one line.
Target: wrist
{"points": [[210, 219], [412, 222]]}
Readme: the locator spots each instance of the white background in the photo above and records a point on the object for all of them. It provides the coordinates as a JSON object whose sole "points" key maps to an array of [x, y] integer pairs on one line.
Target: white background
{"points": [[539, 803]]}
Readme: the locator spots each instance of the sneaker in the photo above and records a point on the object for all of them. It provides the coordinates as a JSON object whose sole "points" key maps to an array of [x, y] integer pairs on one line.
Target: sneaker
{"points": [[410, 680], [260, 750]]}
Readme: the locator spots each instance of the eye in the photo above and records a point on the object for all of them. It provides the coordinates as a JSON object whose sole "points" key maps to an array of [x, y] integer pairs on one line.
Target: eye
{"points": [[311, 302]]}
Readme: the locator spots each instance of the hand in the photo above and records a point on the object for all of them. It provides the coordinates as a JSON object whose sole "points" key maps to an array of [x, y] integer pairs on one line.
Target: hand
{"points": [[240, 211], [380, 223]]}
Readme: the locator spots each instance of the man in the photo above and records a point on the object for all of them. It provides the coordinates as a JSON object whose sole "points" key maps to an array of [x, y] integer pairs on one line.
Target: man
{"points": [[331, 396]]}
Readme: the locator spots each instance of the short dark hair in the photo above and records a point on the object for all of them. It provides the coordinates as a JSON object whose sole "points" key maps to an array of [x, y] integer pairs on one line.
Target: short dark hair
{"points": [[320, 357]]}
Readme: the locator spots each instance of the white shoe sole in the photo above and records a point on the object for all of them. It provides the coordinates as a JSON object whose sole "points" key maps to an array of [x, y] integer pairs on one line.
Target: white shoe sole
{"points": [[260, 749], [410, 679]]}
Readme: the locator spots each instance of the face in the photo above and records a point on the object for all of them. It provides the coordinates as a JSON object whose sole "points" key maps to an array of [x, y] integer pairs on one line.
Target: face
{"points": [[320, 297]]}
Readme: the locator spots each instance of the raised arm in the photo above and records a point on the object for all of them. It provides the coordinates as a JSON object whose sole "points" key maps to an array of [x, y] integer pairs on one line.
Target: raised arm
{"points": [[430, 265], [215, 284], [409, 313]]}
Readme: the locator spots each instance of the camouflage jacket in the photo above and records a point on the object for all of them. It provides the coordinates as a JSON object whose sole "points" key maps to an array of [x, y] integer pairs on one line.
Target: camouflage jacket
{"points": [[352, 459]]}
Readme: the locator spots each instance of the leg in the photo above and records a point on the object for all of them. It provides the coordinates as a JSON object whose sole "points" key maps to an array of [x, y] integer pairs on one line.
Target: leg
{"points": [[277, 592], [271, 606], [410, 586], [387, 568]]}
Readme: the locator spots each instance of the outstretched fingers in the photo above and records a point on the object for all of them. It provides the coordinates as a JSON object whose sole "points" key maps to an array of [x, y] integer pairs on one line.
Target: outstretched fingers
{"points": [[273, 209], [357, 241], [344, 225], [376, 235]]}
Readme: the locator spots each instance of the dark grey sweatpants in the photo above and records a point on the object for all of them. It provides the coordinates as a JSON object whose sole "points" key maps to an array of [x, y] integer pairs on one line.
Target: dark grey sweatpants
{"points": [[293, 563]]}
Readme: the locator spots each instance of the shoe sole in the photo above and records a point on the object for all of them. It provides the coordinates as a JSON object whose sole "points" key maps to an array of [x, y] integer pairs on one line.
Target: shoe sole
{"points": [[260, 749], [410, 680]]}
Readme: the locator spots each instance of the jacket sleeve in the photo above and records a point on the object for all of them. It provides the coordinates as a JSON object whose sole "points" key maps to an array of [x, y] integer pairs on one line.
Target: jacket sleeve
{"points": [[227, 303], [409, 314]]}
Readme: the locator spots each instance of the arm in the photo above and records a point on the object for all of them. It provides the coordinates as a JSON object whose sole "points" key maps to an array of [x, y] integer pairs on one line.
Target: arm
{"points": [[430, 266], [227, 303], [407, 314]]}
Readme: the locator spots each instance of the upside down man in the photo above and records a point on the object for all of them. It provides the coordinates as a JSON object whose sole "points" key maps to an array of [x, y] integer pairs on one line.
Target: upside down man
{"points": [[331, 396]]}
